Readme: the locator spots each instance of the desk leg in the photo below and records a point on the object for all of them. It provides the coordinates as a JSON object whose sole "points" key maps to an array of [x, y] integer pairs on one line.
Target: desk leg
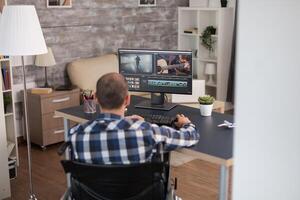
{"points": [[224, 181], [67, 154]]}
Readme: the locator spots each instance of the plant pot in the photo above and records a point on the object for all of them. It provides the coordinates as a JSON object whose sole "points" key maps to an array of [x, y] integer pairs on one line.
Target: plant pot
{"points": [[224, 3], [206, 110]]}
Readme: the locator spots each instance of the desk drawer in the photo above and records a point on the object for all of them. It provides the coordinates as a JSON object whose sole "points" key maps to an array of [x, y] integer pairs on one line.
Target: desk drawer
{"points": [[53, 136], [49, 105], [50, 121]]}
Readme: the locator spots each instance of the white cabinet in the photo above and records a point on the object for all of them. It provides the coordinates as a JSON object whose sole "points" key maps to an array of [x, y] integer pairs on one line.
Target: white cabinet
{"points": [[198, 19], [8, 139], [4, 174], [7, 92]]}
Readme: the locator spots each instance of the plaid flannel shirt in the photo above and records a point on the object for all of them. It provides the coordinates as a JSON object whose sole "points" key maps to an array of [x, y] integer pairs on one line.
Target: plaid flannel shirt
{"points": [[111, 139]]}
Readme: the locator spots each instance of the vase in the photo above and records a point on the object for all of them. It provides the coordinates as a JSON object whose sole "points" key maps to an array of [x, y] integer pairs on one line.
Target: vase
{"points": [[224, 3], [211, 54], [206, 110]]}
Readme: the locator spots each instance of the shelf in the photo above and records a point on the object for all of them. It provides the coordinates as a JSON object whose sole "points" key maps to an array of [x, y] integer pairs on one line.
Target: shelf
{"points": [[8, 114], [208, 60], [4, 59], [6, 91], [198, 19], [190, 34], [196, 34]]}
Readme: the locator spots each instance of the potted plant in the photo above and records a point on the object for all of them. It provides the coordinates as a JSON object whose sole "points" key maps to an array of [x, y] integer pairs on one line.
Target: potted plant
{"points": [[207, 40], [6, 101], [206, 104]]}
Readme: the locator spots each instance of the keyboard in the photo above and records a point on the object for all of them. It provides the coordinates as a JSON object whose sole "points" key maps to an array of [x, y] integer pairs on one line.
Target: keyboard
{"points": [[159, 119]]}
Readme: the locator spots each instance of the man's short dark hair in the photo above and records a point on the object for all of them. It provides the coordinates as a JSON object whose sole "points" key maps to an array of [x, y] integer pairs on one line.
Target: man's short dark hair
{"points": [[112, 90]]}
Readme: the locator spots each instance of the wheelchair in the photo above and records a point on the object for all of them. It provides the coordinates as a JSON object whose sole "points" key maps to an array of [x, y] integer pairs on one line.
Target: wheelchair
{"points": [[146, 181]]}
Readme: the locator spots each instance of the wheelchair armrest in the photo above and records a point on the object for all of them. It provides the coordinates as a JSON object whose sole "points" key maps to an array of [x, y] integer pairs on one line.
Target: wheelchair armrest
{"points": [[62, 148]]}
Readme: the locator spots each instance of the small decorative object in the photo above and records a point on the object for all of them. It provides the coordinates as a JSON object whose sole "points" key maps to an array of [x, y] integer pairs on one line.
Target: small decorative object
{"points": [[224, 3], [146, 3], [210, 70], [45, 60], [199, 3], [59, 3], [206, 105], [207, 40], [227, 124], [195, 52], [89, 102], [193, 30]]}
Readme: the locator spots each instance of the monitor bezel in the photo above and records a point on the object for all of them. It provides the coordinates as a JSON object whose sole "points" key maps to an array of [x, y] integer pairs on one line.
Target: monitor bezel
{"points": [[155, 51]]}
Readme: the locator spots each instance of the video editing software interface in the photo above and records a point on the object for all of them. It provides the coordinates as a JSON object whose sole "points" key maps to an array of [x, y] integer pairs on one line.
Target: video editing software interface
{"points": [[157, 71]]}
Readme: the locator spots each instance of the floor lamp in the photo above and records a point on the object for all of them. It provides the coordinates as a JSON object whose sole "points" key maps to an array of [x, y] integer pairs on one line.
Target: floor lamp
{"points": [[21, 35]]}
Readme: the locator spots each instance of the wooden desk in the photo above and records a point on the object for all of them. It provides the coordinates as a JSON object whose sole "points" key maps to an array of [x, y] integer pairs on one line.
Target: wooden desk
{"points": [[215, 144]]}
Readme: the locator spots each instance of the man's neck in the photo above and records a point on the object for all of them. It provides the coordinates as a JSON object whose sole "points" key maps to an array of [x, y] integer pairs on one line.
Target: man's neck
{"points": [[119, 112]]}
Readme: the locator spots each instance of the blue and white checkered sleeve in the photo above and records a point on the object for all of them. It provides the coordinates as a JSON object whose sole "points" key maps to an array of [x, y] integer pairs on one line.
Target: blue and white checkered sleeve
{"points": [[73, 130], [173, 139]]}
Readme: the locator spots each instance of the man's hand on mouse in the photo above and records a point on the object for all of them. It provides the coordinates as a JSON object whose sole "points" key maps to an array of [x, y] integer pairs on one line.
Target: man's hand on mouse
{"points": [[181, 120]]}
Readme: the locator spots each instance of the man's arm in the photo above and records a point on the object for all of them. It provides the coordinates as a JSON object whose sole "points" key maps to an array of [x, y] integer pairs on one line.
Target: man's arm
{"points": [[186, 136]]}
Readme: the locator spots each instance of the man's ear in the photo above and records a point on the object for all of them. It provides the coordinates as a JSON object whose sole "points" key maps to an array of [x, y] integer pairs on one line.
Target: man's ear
{"points": [[127, 100]]}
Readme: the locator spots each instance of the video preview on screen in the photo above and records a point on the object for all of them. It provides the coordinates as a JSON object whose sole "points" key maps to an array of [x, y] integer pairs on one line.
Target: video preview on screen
{"points": [[136, 63], [179, 65], [157, 70]]}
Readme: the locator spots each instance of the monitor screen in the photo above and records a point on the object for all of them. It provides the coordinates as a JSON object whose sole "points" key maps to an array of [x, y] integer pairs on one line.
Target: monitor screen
{"points": [[157, 71]]}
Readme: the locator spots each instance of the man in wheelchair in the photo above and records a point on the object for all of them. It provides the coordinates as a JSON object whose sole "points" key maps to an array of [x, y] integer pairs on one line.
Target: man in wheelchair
{"points": [[115, 146]]}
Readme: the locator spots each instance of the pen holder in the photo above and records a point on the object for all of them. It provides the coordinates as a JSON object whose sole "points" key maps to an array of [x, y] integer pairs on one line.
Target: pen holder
{"points": [[89, 106]]}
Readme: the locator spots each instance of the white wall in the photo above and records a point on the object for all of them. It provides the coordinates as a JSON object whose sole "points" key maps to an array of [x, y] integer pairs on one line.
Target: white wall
{"points": [[267, 140]]}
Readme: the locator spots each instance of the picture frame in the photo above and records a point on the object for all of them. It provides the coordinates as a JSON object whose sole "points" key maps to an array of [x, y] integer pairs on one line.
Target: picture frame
{"points": [[59, 3], [147, 3]]}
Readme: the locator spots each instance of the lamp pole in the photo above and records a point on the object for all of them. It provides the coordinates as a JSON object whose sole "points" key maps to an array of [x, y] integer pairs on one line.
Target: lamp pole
{"points": [[31, 192]]}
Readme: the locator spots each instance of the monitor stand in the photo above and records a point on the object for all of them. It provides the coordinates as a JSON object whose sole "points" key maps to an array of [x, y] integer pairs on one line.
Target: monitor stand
{"points": [[157, 102]]}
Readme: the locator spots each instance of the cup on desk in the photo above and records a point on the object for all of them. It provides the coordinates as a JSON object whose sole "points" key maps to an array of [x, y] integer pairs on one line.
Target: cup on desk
{"points": [[89, 105], [89, 101]]}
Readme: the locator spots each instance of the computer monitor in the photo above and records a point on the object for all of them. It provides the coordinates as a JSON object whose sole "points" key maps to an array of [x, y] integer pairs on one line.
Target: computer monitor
{"points": [[157, 71]]}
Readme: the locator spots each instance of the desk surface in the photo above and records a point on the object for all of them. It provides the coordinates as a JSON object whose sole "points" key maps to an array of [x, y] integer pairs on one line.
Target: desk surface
{"points": [[215, 144]]}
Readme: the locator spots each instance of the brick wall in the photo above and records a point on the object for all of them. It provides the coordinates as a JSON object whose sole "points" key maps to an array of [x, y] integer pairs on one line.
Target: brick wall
{"points": [[97, 27]]}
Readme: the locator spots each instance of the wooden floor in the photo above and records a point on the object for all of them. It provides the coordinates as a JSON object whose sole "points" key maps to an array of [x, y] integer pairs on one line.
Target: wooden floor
{"points": [[197, 180], [48, 176]]}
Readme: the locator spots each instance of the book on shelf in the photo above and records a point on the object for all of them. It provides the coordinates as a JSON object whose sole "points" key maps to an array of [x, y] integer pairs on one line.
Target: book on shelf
{"points": [[41, 90], [6, 82], [2, 80], [3, 57]]}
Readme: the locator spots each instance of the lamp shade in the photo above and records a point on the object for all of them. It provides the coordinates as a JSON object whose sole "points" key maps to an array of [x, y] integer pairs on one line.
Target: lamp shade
{"points": [[210, 69], [45, 60], [21, 33]]}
